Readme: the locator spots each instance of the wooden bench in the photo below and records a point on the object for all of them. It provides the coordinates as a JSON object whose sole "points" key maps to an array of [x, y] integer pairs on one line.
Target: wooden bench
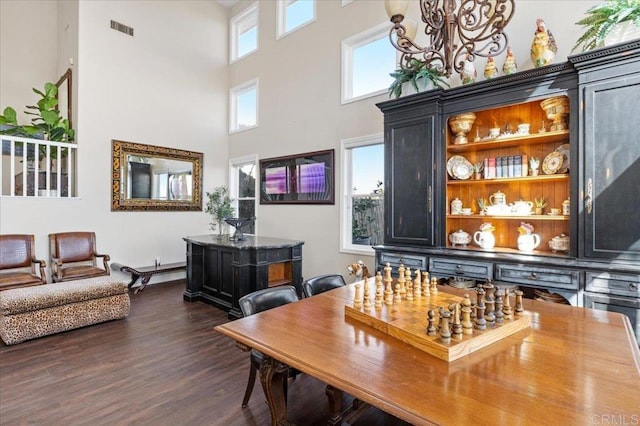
{"points": [[146, 272]]}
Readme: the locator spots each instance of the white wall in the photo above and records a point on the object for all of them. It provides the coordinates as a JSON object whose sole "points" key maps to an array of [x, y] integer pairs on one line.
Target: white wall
{"points": [[165, 86], [168, 86], [300, 108]]}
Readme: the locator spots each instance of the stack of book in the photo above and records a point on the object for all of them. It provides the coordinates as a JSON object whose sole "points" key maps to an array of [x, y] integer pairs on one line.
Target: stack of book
{"points": [[506, 167]]}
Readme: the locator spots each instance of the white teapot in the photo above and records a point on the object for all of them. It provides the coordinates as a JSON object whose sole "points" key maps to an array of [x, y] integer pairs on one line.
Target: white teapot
{"points": [[459, 237], [498, 198], [522, 208]]}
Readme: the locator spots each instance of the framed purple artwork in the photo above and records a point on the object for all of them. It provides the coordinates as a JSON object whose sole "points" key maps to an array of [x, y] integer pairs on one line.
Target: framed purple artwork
{"points": [[298, 179]]}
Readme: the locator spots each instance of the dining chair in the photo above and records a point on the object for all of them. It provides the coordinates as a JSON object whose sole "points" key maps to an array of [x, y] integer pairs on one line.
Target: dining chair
{"points": [[322, 283], [254, 303], [74, 256]]}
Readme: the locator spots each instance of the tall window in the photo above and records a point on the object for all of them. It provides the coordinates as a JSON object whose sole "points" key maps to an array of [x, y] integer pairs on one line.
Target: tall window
{"points": [[362, 223], [367, 60], [243, 112], [294, 14], [242, 187], [244, 33]]}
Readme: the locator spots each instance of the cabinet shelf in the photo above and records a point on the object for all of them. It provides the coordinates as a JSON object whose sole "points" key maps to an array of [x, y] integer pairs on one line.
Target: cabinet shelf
{"points": [[508, 250], [539, 178], [527, 217], [533, 139]]}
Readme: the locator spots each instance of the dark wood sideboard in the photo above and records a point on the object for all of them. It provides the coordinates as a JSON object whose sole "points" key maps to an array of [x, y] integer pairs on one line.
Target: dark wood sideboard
{"points": [[601, 268], [220, 271]]}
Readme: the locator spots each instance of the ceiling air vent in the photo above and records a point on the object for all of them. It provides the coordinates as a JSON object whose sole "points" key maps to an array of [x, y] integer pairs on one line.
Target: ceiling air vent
{"points": [[121, 27]]}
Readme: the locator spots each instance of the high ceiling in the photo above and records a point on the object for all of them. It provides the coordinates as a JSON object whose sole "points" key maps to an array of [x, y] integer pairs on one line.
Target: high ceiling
{"points": [[227, 3]]}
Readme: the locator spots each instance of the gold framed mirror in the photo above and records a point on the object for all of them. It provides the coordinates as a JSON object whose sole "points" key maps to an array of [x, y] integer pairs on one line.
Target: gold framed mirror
{"points": [[149, 177]]}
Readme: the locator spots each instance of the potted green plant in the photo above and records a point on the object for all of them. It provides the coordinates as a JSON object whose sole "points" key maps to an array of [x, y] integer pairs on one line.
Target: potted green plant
{"points": [[219, 207], [603, 18], [418, 74]]}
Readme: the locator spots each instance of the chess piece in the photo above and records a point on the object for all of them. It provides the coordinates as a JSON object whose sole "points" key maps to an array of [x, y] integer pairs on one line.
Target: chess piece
{"points": [[417, 285], [425, 284], [490, 68], [431, 323], [490, 305], [498, 312], [506, 306], [367, 300], [445, 330], [510, 66], [469, 73], [467, 325], [402, 281], [481, 323], [388, 291], [519, 309], [379, 291], [543, 46], [357, 300], [456, 325], [408, 285], [397, 297], [434, 286]]}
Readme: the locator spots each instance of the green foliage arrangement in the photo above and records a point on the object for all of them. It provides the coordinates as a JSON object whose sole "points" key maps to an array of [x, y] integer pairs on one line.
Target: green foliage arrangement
{"points": [[219, 206], [601, 19], [418, 73], [47, 120]]}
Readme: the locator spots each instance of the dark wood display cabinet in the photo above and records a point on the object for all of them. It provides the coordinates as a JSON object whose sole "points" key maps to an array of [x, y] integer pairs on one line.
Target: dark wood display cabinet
{"points": [[584, 112], [221, 271]]}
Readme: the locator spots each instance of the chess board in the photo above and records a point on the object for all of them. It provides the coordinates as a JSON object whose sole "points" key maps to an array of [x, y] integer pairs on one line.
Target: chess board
{"points": [[407, 321]]}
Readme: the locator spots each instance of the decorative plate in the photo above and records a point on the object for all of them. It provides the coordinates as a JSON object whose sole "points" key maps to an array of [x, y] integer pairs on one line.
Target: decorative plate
{"points": [[552, 163], [564, 150], [459, 167]]}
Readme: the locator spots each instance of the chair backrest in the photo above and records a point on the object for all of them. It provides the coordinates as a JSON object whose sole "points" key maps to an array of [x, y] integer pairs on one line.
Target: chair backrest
{"points": [[322, 283], [16, 251], [73, 246], [267, 298]]}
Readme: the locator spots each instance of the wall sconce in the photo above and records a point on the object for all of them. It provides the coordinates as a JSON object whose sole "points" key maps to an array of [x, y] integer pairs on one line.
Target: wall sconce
{"points": [[455, 33]]}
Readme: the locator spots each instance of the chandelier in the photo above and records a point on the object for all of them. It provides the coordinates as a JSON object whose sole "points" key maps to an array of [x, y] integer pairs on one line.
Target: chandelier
{"points": [[455, 33]]}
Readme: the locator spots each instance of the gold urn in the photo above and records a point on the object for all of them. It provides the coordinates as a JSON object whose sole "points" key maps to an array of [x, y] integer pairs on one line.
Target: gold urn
{"points": [[461, 125], [557, 109]]}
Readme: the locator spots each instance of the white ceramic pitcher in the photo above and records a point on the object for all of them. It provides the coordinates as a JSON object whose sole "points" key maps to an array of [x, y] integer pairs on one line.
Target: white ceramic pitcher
{"points": [[528, 242], [485, 239]]}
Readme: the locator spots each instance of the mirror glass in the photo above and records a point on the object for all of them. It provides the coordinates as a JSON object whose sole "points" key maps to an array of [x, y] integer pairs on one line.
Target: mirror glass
{"points": [[148, 177]]}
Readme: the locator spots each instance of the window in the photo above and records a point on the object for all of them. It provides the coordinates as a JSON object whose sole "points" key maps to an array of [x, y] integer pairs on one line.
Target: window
{"points": [[362, 219], [242, 188], [294, 14], [244, 33], [243, 112], [367, 60]]}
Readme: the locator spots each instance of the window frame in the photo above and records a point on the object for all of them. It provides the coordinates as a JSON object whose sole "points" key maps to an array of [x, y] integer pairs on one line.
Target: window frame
{"points": [[234, 165], [237, 21], [234, 93], [346, 168], [348, 46], [281, 16]]}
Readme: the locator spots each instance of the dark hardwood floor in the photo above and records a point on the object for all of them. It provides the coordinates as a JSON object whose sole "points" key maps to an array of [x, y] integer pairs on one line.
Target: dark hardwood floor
{"points": [[162, 365]]}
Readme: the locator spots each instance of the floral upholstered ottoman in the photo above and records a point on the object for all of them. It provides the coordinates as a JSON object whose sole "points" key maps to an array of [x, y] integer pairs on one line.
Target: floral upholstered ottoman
{"points": [[30, 312]]}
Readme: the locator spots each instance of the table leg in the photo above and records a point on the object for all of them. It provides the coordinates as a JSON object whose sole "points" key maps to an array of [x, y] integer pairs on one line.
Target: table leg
{"points": [[335, 405], [272, 376]]}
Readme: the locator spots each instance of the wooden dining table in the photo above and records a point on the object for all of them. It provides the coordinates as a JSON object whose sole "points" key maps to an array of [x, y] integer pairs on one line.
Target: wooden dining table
{"points": [[572, 366]]}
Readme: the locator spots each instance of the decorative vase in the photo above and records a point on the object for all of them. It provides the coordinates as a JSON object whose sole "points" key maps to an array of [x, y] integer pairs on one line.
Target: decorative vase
{"points": [[557, 109], [485, 239], [461, 125], [528, 242]]}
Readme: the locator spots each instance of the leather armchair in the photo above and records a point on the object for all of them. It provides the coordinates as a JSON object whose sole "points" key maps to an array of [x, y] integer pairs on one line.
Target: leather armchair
{"points": [[18, 262], [74, 256], [322, 283], [259, 301]]}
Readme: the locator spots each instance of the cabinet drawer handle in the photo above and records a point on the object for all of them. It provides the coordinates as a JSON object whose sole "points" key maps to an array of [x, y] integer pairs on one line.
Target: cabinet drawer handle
{"points": [[633, 286], [459, 269], [533, 276]]}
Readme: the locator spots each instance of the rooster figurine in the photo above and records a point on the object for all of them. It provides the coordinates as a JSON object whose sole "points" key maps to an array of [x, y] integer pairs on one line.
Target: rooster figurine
{"points": [[510, 66], [490, 69], [469, 73], [543, 47]]}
